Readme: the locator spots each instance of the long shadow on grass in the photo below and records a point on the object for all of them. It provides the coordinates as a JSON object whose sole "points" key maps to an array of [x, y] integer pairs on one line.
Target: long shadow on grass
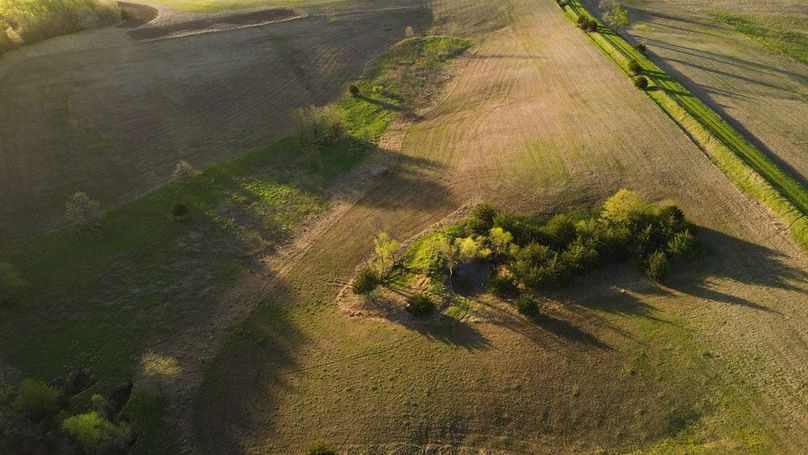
{"points": [[724, 257]]}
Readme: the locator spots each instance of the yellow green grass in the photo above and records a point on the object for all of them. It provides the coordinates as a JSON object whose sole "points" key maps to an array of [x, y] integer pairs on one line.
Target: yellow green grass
{"points": [[742, 162]]}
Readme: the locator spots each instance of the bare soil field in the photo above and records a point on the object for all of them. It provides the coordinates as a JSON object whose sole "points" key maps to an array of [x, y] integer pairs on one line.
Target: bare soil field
{"points": [[104, 113], [761, 92], [537, 120]]}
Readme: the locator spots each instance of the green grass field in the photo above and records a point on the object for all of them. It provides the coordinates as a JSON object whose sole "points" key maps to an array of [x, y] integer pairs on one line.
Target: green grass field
{"points": [[786, 37], [741, 161]]}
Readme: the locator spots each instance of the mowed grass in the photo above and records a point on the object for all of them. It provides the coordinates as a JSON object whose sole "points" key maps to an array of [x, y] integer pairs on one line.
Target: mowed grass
{"points": [[742, 162], [99, 298], [788, 37]]}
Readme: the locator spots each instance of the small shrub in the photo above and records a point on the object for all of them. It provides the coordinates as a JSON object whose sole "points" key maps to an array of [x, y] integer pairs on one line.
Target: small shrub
{"points": [[179, 211], [96, 435], [579, 256], [366, 281], [583, 22], [482, 217], [641, 82], [409, 32], [634, 67], [656, 266], [82, 211], [37, 400], [623, 207], [11, 282], [321, 448], [318, 125], [592, 26], [528, 306], [560, 230], [183, 171], [641, 47], [353, 90], [503, 287], [420, 305], [682, 244], [378, 89]]}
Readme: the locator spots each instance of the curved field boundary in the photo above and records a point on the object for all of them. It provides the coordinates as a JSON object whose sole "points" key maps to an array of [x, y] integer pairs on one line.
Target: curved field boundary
{"points": [[742, 162]]}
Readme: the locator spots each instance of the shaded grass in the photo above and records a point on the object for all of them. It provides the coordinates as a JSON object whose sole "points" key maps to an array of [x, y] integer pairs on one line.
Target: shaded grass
{"points": [[742, 162], [791, 43]]}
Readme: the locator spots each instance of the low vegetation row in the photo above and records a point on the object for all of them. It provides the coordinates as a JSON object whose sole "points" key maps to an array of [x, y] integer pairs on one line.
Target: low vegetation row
{"points": [[60, 417], [29, 21], [513, 254], [744, 164]]}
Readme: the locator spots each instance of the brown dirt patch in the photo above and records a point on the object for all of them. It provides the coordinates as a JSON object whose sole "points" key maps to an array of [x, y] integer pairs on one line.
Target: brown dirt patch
{"points": [[217, 23]]}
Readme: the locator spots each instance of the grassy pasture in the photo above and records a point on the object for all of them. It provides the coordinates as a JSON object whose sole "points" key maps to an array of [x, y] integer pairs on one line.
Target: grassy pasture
{"points": [[99, 299], [733, 153], [789, 38]]}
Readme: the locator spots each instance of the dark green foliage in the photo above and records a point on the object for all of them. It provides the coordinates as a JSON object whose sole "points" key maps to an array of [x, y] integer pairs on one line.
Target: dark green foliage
{"points": [[504, 287], [37, 400], [179, 211], [641, 47], [95, 434], [682, 244], [641, 82], [482, 218], [321, 448], [524, 228], [366, 281], [580, 256], [634, 67], [560, 231], [528, 306], [353, 90], [656, 266], [419, 305]]}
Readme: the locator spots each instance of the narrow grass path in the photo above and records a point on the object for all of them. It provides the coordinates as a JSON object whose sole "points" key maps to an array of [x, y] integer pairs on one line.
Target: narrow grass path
{"points": [[742, 162]]}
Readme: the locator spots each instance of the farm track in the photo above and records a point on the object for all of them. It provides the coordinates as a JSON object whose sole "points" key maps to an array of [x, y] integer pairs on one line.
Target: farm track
{"points": [[101, 113], [538, 120]]}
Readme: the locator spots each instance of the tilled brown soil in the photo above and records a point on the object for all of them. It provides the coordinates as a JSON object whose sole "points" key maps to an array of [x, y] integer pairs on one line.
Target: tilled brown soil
{"points": [[537, 120], [217, 23], [106, 114]]}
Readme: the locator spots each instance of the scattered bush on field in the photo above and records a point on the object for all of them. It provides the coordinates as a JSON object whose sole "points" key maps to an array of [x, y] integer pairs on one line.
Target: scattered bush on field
{"points": [[641, 82], [419, 305], [37, 400], [97, 435], [409, 32], [588, 25], [615, 14], [36, 20], [482, 218], [183, 172], [384, 248], [682, 244], [528, 306], [634, 67], [321, 448], [11, 282], [353, 90], [83, 212], [562, 3], [366, 281], [319, 125], [642, 47], [179, 211]]}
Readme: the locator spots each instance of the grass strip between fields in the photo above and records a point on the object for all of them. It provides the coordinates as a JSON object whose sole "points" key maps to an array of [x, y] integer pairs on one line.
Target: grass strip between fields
{"points": [[742, 162]]}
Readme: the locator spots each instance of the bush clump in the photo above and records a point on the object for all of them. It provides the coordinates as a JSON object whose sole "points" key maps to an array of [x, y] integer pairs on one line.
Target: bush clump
{"points": [[641, 82], [317, 126], [179, 211], [353, 90], [83, 212], [587, 24], [97, 435], [634, 67], [504, 287], [641, 47], [656, 266], [183, 172], [37, 400], [527, 305], [419, 305], [366, 281]]}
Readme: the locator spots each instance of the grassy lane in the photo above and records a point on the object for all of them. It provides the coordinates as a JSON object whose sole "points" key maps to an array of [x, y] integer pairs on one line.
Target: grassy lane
{"points": [[743, 163]]}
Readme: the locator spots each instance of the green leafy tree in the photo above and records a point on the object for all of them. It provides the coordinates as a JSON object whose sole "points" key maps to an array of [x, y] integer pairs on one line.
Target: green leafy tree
{"points": [[37, 399], [501, 241], [615, 14], [384, 247], [97, 435]]}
